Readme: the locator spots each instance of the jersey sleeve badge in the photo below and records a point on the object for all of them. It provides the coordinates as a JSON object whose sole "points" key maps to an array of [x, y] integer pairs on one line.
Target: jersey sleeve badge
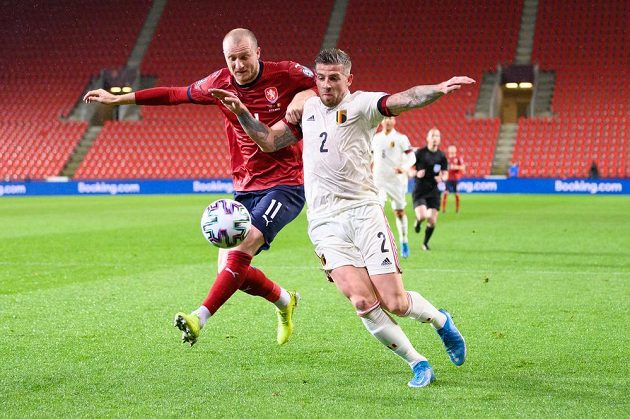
{"points": [[307, 71]]}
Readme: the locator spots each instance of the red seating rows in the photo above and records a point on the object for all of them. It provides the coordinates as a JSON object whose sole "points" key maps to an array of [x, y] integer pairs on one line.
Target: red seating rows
{"points": [[586, 44], [36, 149], [567, 146], [50, 51]]}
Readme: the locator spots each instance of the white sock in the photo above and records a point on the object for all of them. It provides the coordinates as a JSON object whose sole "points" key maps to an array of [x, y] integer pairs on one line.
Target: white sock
{"points": [[422, 310], [203, 313], [383, 328], [403, 228], [284, 299]]}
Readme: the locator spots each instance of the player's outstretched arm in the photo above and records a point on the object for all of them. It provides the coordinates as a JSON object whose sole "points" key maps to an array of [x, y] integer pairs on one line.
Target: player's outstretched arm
{"points": [[268, 139], [103, 96], [153, 96], [420, 96]]}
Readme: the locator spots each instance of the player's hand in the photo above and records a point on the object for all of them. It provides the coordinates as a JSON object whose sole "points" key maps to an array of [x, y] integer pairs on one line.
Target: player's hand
{"points": [[100, 96], [420, 173], [294, 114], [455, 83], [229, 100]]}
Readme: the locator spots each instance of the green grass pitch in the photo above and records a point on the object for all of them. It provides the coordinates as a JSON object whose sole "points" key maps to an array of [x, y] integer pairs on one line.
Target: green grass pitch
{"points": [[539, 286]]}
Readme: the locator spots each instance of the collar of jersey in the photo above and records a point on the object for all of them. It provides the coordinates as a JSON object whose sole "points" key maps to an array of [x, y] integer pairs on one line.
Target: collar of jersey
{"points": [[261, 67], [340, 103]]}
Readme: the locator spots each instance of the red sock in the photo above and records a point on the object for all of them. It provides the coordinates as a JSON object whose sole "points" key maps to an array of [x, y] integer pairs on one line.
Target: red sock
{"points": [[457, 203], [228, 280], [257, 283]]}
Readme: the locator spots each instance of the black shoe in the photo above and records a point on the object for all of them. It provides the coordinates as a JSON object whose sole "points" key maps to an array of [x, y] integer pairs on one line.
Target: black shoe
{"points": [[416, 226]]}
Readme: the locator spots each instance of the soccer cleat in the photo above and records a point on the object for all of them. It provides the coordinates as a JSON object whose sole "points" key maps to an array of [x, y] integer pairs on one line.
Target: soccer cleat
{"points": [[416, 226], [422, 375], [285, 319], [404, 250], [425, 247], [189, 325], [453, 340]]}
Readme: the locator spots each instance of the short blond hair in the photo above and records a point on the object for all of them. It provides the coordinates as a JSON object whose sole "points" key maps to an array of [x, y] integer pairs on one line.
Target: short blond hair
{"points": [[238, 34]]}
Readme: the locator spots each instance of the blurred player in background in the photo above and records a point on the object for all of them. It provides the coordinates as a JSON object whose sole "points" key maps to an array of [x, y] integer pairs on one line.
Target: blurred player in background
{"points": [[393, 157], [430, 172], [271, 186], [347, 224], [456, 167]]}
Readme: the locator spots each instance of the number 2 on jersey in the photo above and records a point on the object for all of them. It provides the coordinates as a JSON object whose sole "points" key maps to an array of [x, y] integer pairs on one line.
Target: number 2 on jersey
{"points": [[322, 148]]}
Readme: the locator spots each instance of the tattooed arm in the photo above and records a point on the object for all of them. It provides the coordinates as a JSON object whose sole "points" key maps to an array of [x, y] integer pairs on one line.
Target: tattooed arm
{"points": [[268, 139], [420, 96]]}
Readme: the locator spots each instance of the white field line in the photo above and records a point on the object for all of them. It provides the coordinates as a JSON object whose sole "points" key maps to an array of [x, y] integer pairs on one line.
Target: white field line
{"points": [[311, 267]]}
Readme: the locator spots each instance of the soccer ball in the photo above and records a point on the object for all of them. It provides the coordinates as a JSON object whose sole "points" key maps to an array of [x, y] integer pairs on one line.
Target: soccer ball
{"points": [[225, 223]]}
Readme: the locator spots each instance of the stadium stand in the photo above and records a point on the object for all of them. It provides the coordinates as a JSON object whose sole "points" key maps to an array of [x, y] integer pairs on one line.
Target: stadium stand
{"points": [[52, 49], [47, 60], [188, 141], [587, 45], [407, 42]]}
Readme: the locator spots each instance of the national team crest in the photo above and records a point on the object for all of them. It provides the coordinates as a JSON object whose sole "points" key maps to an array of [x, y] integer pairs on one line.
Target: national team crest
{"points": [[271, 93], [342, 116]]}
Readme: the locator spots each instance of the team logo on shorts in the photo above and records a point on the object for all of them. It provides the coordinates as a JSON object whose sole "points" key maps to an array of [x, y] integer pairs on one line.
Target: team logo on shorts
{"points": [[271, 93], [342, 116]]}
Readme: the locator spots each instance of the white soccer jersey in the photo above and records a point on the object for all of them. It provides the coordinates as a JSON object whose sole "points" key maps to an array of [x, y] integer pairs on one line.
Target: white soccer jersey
{"points": [[337, 155], [391, 151]]}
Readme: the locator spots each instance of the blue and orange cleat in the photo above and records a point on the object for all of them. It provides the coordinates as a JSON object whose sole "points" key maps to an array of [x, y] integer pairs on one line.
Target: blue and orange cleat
{"points": [[453, 340], [422, 375]]}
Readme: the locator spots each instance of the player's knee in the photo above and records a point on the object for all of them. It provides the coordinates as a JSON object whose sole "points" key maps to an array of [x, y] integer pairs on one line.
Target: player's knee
{"points": [[397, 304], [363, 305], [252, 242]]}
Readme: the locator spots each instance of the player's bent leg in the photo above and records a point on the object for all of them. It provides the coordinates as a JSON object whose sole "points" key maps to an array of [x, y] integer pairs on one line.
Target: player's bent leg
{"points": [[190, 326], [453, 340], [391, 292], [422, 375], [285, 318]]}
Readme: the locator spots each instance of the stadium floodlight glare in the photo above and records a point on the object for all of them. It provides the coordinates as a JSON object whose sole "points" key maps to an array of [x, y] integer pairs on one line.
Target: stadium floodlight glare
{"points": [[126, 89], [115, 89], [525, 85], [511, 85]]}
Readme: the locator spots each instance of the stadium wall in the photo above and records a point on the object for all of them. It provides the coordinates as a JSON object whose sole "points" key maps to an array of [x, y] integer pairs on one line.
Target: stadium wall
{"points": [[209, 186]]}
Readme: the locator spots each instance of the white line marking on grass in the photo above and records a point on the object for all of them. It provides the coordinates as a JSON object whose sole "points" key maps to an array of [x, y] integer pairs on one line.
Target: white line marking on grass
{"points": [[306, 267]]}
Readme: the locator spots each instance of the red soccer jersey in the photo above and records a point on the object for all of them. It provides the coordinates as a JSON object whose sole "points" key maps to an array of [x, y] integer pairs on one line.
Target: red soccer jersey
{"points": [[455, 174], [267, 98]]}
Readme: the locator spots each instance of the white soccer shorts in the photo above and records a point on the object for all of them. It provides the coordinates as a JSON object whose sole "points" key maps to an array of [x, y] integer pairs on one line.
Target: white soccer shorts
{"points": [[358, 237], [395, 189]]}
